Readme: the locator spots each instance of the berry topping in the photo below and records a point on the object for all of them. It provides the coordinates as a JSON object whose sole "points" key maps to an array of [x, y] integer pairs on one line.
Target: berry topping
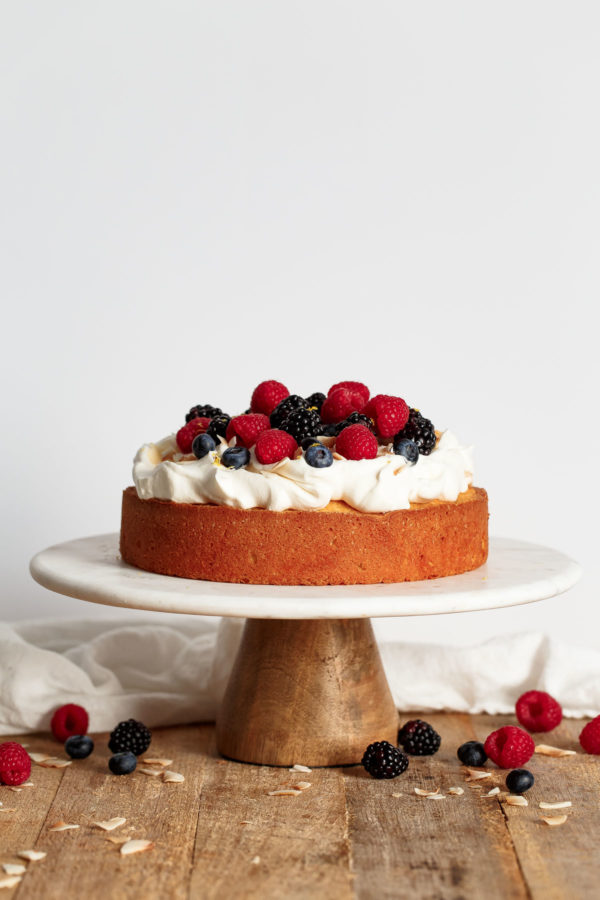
{"points": [[218, 427], [420, 430], [355, 418], [130, 735], [407, 449], [538, 711], [206, 412], [328, 430], [318, 456], [245, 429], [267, 396], [472, 754], [202, 444], [357, 442], [383, 760], [509, 747], [340, 403], [185, 436], [283, 409], [79, 746], [302, 423], [122, 763], [590, 736], [68, 720], [15, 764], [315, 401], [235, 457], [390, 415], [274, 445], [356, 386], [418, 738], [519, 780]]}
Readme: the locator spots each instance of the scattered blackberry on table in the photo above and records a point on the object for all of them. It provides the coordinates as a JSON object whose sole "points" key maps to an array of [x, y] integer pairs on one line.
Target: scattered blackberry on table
{"points": [[519, 780], [302, 423], [383, 760], [283, 409], [316, 400], [420, 430], [472, 754], [122, 763], [355, 418], [218, 427], [406, 448], [235, 457], [202, 445], [207, 411], [79, 746], [419, 739], [318, 456], [130, 735]]}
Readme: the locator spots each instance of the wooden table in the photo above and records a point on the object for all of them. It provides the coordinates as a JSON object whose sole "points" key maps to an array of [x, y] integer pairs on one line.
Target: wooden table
{"points": [[220, 835]]}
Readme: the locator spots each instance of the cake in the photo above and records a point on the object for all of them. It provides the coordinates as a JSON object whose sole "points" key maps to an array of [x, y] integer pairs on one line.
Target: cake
{"points": [[342, 488]]}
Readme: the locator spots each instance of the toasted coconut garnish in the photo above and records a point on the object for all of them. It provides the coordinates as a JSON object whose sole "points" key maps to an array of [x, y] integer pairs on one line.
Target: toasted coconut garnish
{"points": [[10, 881], [150, 770], [32, 855], [436, 797], [62, 826], [516, 800], [285, 792], [559, 804], [422, 792], [53, 762], [493, 793], [39, 757], [456, 791], [15, 790], [476, 774], [554, 820], [116, 839], [8, 809], [27, 784], [111, 824], [337, 455], [139, 846], [548, 750], [173, 777], [302, 786], [255, 861], [14, 868], [397, 794], [151, 761], [299, 768]]}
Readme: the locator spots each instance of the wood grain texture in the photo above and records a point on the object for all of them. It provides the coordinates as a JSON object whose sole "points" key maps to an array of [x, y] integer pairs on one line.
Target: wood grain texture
{"points": [[347, 837], [307, 691]]}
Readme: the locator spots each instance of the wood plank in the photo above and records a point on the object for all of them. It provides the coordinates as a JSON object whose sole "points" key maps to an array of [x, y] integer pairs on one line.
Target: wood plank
{"points": [[252, 845], [164, 813], [410, 846]]}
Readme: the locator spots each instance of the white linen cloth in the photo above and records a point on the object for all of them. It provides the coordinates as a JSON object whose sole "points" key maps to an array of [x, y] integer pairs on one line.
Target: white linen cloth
{"points": [[166, 674]]}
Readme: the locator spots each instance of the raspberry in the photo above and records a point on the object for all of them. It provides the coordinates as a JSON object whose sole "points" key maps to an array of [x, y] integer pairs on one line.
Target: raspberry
{"points": [[590, 736], [185, 436], [130, 735], [509, 747], [357, 386], [15, 764], [267, 396], [247, 428], [419, 738], [274, 445], [538, 711], [340, 404], [357, 442], [68, 720], [390, 414]]}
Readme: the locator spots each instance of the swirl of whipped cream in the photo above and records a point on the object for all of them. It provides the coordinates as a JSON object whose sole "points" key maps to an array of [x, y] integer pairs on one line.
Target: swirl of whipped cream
{"points": [[382, 484]]}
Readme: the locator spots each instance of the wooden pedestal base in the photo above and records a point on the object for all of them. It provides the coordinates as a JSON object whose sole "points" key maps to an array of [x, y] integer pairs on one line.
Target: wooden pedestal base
{"points": [[306, 691]]}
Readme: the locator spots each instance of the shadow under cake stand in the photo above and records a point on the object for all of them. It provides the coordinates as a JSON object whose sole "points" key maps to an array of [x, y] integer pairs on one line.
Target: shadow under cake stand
{"points": [[307, 684]]}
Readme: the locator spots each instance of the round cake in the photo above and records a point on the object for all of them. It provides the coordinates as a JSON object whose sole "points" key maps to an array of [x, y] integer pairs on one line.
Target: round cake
{"points": [[342, 488]]}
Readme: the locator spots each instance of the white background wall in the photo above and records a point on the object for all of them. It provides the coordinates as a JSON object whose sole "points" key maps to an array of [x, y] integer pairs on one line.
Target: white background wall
{"points": [[197, 196]]}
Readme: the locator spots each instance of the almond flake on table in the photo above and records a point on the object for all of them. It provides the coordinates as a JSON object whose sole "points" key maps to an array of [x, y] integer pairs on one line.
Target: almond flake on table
{"points": [[32, 855], [115, 839], [53, 762], [136, 846], [549, 750], [62, 826], [422, 792], [173, 777], [146, 770], [38, 757], [152, 761], [111, 824], [436, 797], [14, 868], [10, 881], [559, 804], [284, 792], [456, 791], [554, 820], [299, 768], [476, 774], [516, 800], [493, 793], [15, 790], [302, 786]]}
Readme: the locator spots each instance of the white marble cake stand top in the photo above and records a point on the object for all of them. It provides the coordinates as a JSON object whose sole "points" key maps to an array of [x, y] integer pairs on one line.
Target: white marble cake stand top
{"points": [[515, 573]]}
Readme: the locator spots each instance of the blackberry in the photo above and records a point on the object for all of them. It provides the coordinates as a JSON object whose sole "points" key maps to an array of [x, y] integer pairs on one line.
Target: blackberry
{"points": [[218, 427], [383, 760], [316, 400], [130, 735], [283, 409], [328, 430], [420, 430], [355, 418], [302, 423], [205, 410], [418, 738], [472, 753]]}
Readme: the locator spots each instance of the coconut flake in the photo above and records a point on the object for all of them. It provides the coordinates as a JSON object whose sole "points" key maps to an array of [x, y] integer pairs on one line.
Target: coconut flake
{"points": [[421, 792], [173, 777], [146, 770], [560, 804], [14, 868], [62, 826], [151, 761], [255, 861], [549, 750], [554, 820], [53, 762], [286, 792], [39, 757], [493, 793], [32, 855], [10, 881], [302, 786], [516, 800], [111, 824], [476, 774], [136, 847], [456, 791], [299, 768]]}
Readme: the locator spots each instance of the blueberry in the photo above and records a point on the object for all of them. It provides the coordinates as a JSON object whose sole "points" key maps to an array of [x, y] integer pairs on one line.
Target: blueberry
{"points": [[308, 442], [319, 456], [202, 444], [122, 763], [78, 746], [235, 457], [519, 780], [472, 754], [406, 448]]}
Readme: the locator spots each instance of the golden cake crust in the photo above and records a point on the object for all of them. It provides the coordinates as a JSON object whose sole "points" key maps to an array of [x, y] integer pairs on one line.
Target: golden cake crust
{"points": [[335, 545]]}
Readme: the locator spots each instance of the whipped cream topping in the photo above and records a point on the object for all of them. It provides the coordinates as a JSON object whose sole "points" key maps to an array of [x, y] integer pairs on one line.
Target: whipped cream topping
{"points": [[385, 483]]}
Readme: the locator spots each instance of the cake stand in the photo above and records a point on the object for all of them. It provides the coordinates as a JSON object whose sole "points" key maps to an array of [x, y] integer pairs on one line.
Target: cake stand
{"points": [[307, 684]]}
